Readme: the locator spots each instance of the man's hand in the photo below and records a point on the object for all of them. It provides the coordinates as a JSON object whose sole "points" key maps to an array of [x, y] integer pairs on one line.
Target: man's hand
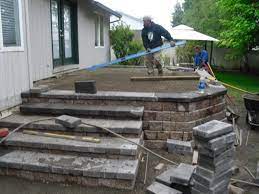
{"points": [[172, 43]]}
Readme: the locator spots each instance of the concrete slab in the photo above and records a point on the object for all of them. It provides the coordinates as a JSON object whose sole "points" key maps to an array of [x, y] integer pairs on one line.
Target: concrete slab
{"points": [[158, 188], [212, 130], [182, 174], [112, 146], [73, 165]]}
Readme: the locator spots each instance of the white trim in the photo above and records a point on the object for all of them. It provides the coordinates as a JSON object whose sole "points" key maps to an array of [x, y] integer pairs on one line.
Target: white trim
{"points": [[14, 48], [99, 18]]}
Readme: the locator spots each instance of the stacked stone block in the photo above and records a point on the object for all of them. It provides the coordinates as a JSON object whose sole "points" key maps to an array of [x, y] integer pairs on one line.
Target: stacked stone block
{"points": [[215, 142]]}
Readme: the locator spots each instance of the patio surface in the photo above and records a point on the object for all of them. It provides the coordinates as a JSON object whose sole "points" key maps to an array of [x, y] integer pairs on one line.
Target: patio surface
{"points": [[118, 79]]}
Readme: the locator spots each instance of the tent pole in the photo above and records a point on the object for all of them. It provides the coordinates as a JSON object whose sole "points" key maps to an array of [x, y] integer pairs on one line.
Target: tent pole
{"points": [[211, 52]]}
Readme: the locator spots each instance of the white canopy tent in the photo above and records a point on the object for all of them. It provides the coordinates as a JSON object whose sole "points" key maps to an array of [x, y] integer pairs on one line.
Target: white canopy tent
{"points": [[183, 32]]}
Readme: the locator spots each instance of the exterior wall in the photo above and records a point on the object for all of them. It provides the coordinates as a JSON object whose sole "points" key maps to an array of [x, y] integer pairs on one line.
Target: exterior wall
{"points": [[14, 76], [40, 39], [41, 42], [88, 53]]}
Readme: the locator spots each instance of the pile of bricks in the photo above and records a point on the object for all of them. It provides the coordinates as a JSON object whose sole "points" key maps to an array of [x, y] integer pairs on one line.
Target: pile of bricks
{"points": [[215, 143]]}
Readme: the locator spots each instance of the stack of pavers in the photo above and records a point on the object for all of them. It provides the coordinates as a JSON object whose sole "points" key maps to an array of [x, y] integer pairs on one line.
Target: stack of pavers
{"points": [[175, 180], [215, 143]]}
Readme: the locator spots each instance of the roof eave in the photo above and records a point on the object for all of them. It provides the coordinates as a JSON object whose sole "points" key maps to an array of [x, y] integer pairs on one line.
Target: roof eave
{"points": [[107, 9]]}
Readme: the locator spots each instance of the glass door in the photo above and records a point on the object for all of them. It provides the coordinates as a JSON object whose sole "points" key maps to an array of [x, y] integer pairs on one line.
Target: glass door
{"points": [[64, 32]]}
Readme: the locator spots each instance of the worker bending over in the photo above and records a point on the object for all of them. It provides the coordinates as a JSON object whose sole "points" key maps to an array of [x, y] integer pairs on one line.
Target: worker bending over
{"points": [[152, 37], [201, 58]]}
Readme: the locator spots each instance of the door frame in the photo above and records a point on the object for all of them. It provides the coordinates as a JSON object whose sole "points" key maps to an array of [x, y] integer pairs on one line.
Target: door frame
{"points": [[62, 61]]}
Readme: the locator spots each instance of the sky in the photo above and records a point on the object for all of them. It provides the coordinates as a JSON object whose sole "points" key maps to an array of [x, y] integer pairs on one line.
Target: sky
{"points": [[159, 10]]}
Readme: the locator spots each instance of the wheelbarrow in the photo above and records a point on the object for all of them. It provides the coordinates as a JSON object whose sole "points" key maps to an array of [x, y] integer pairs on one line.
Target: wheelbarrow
{"points": [[252, 107]]}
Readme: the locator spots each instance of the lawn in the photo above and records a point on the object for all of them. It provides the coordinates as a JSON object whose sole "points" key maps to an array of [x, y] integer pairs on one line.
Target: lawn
{"points": [[244, 81]]}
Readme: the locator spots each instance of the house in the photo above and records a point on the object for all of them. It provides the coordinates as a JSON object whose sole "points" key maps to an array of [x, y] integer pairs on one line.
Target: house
{"points": [[135, 24], [39, 38]]}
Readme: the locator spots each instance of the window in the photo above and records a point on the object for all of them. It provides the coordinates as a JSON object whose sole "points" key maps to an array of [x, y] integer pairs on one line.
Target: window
{"points": [[10, 24], [99, 31]]}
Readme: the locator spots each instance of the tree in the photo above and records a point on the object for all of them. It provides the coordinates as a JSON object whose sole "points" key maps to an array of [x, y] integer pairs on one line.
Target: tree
{"points": [[177, 15], [240, 19], [203, 16], [123, 44]]}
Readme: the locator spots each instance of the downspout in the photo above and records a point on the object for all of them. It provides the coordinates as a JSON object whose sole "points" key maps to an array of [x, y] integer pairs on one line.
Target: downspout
{"points": [[28, 41]]}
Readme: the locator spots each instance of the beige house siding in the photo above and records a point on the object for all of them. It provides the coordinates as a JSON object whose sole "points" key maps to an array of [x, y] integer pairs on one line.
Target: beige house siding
{"points": [[14, 76], [40, 35], [88, 54]]}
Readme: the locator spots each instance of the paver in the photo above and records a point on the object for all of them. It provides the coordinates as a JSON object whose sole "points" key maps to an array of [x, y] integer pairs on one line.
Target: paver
{"points": [[87, 87], [39, 89], [180, 147], [182, 174], [164, 178], [212, 129], [158, 188], [68, 121]]}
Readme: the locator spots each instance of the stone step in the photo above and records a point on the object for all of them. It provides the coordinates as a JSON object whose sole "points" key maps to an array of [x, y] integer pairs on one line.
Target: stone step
{"points": [[108, 147], [70, 169], [118, 112], [130, 128]]}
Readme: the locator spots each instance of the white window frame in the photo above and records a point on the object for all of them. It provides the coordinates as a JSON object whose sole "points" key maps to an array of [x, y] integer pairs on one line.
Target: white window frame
{"points": [[98, 15], [13, 48]]}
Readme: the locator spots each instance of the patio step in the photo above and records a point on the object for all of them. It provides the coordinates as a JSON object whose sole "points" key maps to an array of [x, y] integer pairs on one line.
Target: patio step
{"points": [[129, 128], [108, 147], [70, 169], [107, 112]]}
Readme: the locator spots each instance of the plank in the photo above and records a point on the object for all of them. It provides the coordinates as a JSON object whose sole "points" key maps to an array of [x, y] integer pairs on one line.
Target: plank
{"points": [[165, 78]]}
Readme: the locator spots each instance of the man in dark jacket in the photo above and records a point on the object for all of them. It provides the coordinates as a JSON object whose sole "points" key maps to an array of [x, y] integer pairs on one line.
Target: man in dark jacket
{"points": [[152, 37]]}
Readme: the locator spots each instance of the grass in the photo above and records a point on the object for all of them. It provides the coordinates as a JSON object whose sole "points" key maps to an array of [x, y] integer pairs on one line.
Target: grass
{"points": [[241, 80], [244, 81]]}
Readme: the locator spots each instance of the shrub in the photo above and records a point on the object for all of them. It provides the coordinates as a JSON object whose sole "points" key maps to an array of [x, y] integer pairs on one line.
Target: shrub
{"points": [[123, 44]]}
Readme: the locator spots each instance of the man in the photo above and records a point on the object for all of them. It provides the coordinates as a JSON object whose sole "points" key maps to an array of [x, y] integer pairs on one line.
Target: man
{"points": [[152, 37], [201, 58]]}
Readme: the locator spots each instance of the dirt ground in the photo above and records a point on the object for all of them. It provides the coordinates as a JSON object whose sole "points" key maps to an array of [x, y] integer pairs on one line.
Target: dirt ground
{"points": [[118, 79]]}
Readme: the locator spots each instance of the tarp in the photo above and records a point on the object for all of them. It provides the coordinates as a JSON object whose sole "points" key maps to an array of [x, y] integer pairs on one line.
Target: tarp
{"points": [[183, 32]]}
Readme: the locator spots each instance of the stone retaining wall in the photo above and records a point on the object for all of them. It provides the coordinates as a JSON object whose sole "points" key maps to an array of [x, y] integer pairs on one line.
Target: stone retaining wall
{"points": [[166, 116]]}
